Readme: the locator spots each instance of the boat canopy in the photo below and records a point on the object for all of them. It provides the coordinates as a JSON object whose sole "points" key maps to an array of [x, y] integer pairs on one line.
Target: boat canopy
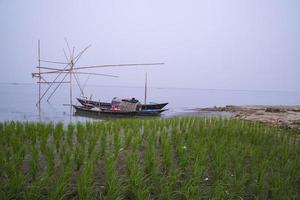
{"points": [[125, 104]]}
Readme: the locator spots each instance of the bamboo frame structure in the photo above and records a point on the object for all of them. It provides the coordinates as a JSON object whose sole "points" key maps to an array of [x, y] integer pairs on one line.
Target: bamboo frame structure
{"points": [[70, 69]]}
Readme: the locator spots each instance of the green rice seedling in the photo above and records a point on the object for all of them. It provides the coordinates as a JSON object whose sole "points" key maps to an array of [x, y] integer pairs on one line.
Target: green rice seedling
{"points": [[70, 131], [85, 181], [30, 132], [8, 131], [136, 141], [150, 164], [3, 162], [128, 137], [182, 153], [139, 137], [7, 157], [15, 143], [32, 192], [44, 133], [190, 186], [39, 127], [1, 129], [91, 144], [113, 186], [166, 152], [79, 156], [137, 188], [97, 128], [49, 155], [88, 128], [15, 186], [68, 158], [218, 162], [58, 135], [169, 185], [19, 130], [293, 174], [220, 191], [103, 143], [17, 158], [33, 163], [80, 134], [64, 148], [144, 132], [61, 189], [37, 189], [50, 128], [43, 145], [236, 171], [117, 143], [110, 141]]}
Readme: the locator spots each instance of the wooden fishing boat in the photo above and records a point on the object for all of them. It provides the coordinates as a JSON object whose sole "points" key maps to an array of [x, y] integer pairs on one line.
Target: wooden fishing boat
{"points": [[91, 103], [100, 112]]}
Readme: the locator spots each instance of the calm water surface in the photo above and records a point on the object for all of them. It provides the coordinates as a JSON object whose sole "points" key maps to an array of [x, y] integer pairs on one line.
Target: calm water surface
{"points": [[18, 102]]}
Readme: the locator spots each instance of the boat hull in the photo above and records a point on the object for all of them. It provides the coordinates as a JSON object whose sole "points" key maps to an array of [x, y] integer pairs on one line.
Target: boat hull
{"points": [[89, 103], [114, 113]]}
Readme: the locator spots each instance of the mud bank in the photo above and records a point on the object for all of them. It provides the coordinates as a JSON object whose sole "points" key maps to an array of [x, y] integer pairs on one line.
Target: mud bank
{"points": [[283, 116]]}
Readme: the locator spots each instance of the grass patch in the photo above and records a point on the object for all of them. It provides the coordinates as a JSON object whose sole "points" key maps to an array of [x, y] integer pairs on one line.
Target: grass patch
{"points": [[182, 158]]}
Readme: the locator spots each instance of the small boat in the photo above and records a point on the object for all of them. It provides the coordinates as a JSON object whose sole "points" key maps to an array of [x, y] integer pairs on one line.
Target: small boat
{"points": [[105, 105], [89, 103], [96, 111]]}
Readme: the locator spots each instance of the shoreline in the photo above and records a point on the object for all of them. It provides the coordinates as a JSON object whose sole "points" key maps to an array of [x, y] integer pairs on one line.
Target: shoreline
{"points": [[278, 115]]}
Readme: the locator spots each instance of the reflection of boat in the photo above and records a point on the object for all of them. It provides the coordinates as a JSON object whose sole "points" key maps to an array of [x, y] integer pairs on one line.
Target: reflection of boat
{"points": [[91, 103], [100, 112]]}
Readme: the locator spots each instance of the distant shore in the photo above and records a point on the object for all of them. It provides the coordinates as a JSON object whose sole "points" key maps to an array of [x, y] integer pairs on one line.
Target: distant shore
{"points": [[282, 116]]}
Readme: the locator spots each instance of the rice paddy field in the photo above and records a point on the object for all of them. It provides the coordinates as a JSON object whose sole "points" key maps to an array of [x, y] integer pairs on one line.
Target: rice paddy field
{"points": [[178, 158]]}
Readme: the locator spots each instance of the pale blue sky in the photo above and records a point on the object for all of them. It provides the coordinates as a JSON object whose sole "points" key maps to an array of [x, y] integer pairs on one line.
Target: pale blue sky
{"points": [[218, 44]]}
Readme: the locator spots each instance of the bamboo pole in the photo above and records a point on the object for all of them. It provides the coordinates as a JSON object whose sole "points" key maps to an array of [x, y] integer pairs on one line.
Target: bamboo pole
{"points": [[72, 64], [39, 61], [52, 84], [57, 87], [118, 65], [60, 71], [54, 62], [101, 66], [48, 82], [75, 72], [78, 83]]}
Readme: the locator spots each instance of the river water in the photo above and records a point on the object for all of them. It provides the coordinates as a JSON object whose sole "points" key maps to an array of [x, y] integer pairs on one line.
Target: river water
{"points": [[18, 101]]}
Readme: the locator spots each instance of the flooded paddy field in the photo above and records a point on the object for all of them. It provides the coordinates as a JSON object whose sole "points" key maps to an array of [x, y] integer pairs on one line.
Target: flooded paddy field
{"points": [[211, 158]]}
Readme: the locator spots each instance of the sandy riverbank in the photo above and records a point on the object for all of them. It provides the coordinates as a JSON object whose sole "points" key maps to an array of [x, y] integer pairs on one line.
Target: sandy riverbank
{"points": [[284, 116]]}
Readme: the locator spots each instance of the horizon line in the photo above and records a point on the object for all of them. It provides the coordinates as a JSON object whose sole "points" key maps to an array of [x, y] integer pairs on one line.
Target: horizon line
{"points": [[166, 87]]}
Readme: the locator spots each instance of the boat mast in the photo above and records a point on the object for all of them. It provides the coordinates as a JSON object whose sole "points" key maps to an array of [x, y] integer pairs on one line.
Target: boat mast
{"points": [[145, 98]]}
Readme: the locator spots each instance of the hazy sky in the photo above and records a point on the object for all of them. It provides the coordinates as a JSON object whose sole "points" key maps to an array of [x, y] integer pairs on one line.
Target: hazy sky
{"points": [[221, 44]]}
